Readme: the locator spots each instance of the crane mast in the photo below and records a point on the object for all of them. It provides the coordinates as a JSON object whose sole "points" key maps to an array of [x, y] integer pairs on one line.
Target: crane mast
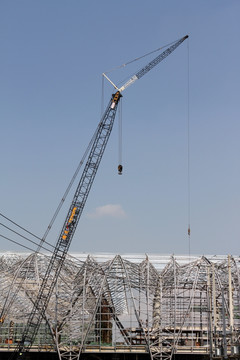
{"points": [[80, 197]]}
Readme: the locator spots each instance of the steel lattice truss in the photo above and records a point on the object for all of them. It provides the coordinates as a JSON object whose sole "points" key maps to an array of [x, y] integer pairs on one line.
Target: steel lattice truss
{"points": [[156, 304]]}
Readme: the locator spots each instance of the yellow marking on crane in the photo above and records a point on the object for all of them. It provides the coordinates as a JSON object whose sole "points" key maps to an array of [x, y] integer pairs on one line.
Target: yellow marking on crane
{"points": [[66, 231], [72, 214]]}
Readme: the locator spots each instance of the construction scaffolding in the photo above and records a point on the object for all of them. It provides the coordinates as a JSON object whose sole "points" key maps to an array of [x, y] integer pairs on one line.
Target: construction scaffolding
{"points": [[157, 305]]}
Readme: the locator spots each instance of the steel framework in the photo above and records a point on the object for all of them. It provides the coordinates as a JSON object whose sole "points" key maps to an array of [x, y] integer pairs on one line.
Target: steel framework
{"points": [[161, 305]]}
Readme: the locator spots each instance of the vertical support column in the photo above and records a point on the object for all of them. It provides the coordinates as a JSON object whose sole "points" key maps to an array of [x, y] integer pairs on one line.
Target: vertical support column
{"points": [[139, 292], [175, 305], [230, 294], [214, 297], [160, 325], [147, 294], [215, 319], [100, 322], [157, 307], [224, 326], [56, 330], [71, 351], [83, 307], [209, 296]]}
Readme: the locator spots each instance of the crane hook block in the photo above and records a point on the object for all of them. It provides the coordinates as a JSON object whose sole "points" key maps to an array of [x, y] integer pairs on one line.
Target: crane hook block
{"points": [[120, 169]]}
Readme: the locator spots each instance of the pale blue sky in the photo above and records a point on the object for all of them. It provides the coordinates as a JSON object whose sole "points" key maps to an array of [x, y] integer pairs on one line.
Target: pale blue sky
{"points": [[52, 56]]}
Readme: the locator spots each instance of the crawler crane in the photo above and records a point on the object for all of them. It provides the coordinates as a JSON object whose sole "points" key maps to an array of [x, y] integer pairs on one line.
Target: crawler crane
{"points": [[76, 208]]}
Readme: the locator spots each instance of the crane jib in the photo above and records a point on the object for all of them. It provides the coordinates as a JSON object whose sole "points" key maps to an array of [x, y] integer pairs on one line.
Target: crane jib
{"points": [[152, 64]]}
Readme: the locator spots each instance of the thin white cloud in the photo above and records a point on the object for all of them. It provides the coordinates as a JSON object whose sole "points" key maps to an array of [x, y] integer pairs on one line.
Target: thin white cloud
{"points": [[111, 210]]}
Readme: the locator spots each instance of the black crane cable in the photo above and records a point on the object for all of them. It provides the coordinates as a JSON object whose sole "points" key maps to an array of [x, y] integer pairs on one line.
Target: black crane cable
{"points": [[33, 242], [29, 232], [140, 57], [22, 228], [43, 239], [15, 242], [24, 237]]}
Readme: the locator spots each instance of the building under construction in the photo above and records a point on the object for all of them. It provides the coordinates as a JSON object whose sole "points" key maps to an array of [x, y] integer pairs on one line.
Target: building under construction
{"points": [[110, 306]]}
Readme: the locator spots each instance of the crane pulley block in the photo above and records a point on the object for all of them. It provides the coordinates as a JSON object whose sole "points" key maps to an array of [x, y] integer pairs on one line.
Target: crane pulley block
{"points": [[115, 99]]}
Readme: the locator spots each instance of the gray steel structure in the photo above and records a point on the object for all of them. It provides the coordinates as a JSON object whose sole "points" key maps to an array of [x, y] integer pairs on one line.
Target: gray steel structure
{"points": [[155, 304]]}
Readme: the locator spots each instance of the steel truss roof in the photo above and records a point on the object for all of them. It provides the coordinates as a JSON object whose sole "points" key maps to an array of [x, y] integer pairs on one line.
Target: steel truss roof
{"points": [[159, 303]]}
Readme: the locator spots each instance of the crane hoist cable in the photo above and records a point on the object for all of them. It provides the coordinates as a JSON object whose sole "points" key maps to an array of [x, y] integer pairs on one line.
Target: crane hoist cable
{"points": [[76, 208], [120, 166], [188, 155]]}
